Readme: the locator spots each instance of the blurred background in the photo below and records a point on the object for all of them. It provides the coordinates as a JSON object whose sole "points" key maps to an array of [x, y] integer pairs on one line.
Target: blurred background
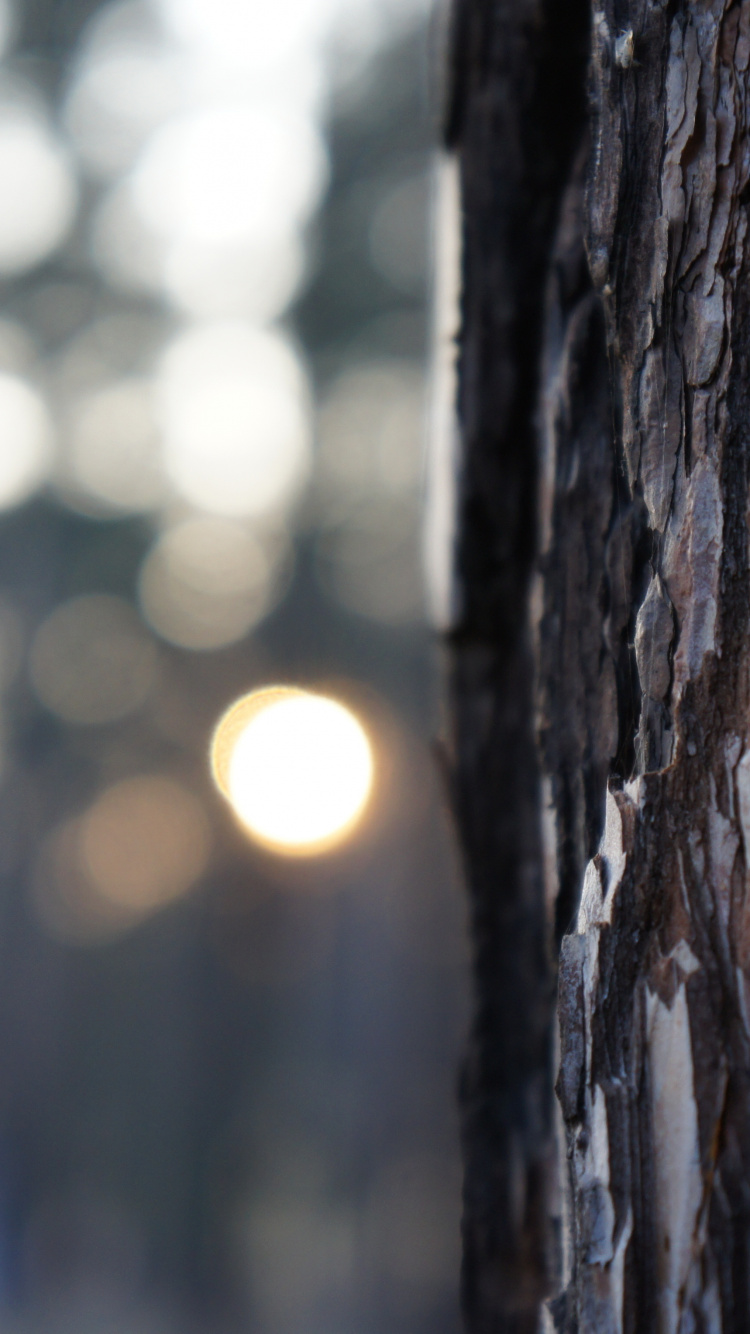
{"points": [[226, 1077]]}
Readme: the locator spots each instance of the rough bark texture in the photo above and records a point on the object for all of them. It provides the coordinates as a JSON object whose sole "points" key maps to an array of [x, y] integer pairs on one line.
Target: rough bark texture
{"points": [[600, 686]]}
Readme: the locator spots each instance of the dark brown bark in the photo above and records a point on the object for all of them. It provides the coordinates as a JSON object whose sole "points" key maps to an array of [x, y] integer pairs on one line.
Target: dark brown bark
{"points": [[600, 686], [516, 66]]}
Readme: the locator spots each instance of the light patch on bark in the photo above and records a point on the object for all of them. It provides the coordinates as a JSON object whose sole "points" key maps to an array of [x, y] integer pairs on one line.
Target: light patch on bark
{"points": [[599, 891], [742, 779], [704, 334], [609, 141], [617, 1270], [597, 1220], [612, 848], [709, 1305], [624, 49], [677, 1166], [592, 897], [654, 630], [732, 752], [724, 842], [601, 1245], [548, 831], [659, 440], [742, 999], [590, 982], [684, 958], [692, 567]]}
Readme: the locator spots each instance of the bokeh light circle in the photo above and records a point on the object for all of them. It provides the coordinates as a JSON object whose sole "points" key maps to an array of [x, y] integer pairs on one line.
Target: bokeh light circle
{"points": [[92, 661], [26, 440], [113, 453], [296, 767], [206, 582], [233, 405], [141, 845], [229, 173], [38, 189], [144, 842]]}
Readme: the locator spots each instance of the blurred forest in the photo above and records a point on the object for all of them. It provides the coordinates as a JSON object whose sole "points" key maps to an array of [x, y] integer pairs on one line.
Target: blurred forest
{"points": [[227, 1091]]}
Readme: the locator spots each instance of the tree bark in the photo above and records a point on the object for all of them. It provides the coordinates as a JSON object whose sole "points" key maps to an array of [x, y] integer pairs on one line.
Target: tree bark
{"points": [[599, 688]]}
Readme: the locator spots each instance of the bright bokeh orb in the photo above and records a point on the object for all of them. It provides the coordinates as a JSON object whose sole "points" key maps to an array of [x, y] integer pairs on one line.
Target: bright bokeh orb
{"points": [[39, 193], [247, 32], [214, 280], [26, 439], [142, 844], [296, 767], [234, 411], [206, 582], [120, 95], [113, 452], [229, 174], [252, 278]]}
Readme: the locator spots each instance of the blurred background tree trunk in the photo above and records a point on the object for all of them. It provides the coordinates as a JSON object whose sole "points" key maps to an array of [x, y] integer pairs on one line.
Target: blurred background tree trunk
{"points": [[599, 682]]}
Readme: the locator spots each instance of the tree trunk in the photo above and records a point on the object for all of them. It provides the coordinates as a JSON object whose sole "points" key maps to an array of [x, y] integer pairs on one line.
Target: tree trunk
{"points": [[600, 690]]}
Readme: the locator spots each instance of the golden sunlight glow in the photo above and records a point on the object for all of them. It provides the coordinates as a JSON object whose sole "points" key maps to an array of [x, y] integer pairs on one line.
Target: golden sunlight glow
{"points": [[296, 767]]}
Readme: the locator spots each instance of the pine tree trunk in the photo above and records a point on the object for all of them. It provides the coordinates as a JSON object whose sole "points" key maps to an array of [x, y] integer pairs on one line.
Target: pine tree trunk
{"points": [[600, 690]]}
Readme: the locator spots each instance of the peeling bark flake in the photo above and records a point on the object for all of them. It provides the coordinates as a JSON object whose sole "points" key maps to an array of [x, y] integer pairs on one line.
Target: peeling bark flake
{"points": [[678, 1177]]}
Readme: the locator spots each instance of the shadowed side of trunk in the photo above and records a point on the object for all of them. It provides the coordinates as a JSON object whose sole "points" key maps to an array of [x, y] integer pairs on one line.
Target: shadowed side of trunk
{"points": [[516, 121]]}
